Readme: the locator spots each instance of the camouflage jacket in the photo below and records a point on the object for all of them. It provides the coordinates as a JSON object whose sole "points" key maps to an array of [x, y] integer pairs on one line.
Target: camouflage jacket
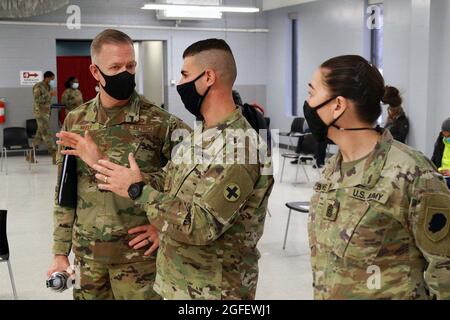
{"points": [[211, 216], [72, 98], [42, 99], [380, 230], [98, 227]]}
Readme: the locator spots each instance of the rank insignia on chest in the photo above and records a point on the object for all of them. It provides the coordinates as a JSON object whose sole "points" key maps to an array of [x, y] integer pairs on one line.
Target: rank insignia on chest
{"points": [[331, 210], [232, 192]]}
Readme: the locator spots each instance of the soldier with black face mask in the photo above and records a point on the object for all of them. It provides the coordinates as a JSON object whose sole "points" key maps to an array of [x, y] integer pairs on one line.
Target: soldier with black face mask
{"points": [[113, 242], [212, 210], [380, 216]]}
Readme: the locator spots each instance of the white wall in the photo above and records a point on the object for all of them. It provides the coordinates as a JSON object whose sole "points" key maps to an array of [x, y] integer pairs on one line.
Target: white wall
{"points": [[416, 56], [416, 53], [439, 68], [326, 29], [416, 60], [397, 26], [152, 59], [34, 48]]}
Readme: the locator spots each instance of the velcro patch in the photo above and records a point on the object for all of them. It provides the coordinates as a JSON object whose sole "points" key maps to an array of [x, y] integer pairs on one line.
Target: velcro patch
{"points": [[433, 225], [332, 209], [232, 192], [367, 195], [227, 194], [322, 187], [437, 223]]}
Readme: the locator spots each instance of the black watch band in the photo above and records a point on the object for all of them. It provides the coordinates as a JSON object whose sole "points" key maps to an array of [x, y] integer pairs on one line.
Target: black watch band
{"points": [[135, 190]]}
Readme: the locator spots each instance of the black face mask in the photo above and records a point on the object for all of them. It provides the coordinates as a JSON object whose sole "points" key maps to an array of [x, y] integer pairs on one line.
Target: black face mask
{"points": [[119, 86], [319, 128], [192, 100]]}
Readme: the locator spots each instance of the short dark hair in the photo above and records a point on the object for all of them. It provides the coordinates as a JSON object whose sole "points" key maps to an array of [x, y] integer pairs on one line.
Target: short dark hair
{"points": [[48, 74], [68, 83], [215, 54], [205, 45], [108, 36], [354, 78]]}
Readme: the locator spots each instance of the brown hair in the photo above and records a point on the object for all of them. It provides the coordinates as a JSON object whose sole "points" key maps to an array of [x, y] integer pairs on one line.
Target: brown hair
{"points": [[354, 78], [392, 97], [108, 36]]}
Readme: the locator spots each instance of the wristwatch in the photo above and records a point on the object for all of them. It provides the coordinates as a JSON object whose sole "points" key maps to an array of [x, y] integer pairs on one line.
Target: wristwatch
{"points": [[135, 190]]}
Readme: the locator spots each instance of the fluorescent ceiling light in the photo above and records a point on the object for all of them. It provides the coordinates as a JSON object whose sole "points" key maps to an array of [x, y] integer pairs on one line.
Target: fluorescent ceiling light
{"points": [[199, 8], [178, 12]]}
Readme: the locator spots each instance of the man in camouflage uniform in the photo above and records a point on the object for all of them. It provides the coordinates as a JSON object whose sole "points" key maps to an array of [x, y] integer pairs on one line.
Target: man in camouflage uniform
{"points": [[211, 213], [110, 261], [379, 227], [42, 93]]}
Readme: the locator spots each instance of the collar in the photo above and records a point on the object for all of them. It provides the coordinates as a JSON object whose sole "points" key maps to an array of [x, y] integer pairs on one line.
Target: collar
{"points": [[373, 165], [446, 143], [128, 114], [207, 143], [204, 136]]}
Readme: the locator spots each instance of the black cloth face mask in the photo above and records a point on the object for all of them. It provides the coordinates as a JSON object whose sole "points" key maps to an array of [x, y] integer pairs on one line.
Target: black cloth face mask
{"points": [[192, 100], [319, 128], [119, 86]]}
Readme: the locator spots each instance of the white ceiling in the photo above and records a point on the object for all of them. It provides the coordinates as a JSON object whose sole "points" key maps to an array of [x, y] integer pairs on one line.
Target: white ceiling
{"points": [[275, 4]]}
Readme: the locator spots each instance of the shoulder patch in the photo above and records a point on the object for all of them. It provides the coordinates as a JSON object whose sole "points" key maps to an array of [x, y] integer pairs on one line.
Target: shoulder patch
{"points": [[232, 192], [433, 227], [437, 223], [229, 192]]}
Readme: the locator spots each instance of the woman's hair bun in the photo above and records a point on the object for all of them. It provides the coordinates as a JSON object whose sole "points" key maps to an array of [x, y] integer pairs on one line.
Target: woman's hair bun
{"points": [[392, 97]]}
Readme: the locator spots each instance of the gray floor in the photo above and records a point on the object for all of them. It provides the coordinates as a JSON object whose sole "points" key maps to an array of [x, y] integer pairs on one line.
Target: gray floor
{"points": [[28, 197]]}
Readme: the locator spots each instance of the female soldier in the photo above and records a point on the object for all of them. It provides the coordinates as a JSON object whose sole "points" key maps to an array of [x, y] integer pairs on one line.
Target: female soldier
{"points": [[72, 97], [379, 220]]}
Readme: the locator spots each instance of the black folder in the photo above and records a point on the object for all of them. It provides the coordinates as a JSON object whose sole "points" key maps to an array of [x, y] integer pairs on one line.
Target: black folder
{"points": [[67, 193]]}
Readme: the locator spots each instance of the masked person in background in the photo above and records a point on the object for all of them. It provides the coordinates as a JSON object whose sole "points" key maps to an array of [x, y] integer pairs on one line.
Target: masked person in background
{"points": [[42, 94], [441, 154], [379, 219], [397, 122], [72, 96], [113, 243]]}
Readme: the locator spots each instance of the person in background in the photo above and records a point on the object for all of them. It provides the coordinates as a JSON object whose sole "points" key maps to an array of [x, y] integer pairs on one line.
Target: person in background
{"points": [[320, 150], [72, 96], [397, 122], [441, 154], [42, 93]]}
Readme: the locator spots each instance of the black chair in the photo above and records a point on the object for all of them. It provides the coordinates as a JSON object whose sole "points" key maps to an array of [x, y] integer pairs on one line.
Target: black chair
{"points": [[309, 147], [15, 139], [302, 207], [4, 249], [31, 126], [297, 130]]}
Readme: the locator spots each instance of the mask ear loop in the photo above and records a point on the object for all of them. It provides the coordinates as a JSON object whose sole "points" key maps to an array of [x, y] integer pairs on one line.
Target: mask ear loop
{"points": [[320, 106], [201, 75], [333, 124], [204, 95]]}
